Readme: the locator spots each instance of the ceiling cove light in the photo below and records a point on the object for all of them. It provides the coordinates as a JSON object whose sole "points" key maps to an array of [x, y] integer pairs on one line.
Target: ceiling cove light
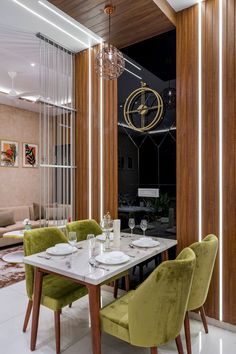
{"points": [[199, 120], [50, 23], [69, 21], [131, 72], [131, 63]]}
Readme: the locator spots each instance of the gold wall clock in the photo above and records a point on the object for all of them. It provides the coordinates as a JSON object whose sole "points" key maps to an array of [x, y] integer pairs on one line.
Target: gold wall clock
{"points": [[143, 109]]}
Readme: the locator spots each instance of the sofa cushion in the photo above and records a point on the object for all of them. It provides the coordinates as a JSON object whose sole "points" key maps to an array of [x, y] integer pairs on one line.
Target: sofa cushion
{"points": [[6, 218], [20, 212]]}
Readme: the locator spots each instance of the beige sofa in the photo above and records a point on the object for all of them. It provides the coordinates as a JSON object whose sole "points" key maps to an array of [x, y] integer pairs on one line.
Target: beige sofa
{"points": [[20, 213], [26, 212]]}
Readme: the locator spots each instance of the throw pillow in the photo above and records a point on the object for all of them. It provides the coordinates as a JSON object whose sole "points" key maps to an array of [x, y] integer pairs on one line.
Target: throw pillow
{"points": [[6, 218]]}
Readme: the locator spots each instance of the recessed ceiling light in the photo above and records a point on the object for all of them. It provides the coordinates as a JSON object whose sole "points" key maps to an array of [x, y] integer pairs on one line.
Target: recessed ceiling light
{"points": [[32, 64]]}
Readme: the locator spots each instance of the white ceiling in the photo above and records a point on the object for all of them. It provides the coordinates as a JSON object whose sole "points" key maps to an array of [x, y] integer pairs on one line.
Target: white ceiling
{"points": [[19, 47], [179, 5]]}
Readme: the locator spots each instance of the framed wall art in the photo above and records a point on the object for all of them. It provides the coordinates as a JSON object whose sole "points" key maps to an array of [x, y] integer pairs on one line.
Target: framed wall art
{"points": [[30, 155], [9, 153]]}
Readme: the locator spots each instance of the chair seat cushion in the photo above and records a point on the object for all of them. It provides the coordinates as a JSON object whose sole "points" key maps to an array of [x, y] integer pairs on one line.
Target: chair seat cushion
{"points": [[59, 292], [114, 318]]}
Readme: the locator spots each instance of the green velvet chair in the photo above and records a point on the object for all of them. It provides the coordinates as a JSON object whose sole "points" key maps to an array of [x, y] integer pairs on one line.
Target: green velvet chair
{"points": [[153, 314], [85, 227], [205, 252], [57, 292]]}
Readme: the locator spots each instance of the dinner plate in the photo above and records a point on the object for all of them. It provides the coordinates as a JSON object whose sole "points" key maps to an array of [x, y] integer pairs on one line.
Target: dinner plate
{"points": [[145, 242], [112, 258], [59, 252], [102, 237]]}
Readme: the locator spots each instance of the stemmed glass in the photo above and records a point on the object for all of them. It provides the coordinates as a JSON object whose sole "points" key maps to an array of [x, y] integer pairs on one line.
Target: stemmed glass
{"points": [[72, 238], [143, 226], [131, 225]]}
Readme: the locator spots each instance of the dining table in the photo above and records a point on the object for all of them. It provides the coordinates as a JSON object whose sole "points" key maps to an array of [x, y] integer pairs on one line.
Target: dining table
{"points": [[79, 268]]}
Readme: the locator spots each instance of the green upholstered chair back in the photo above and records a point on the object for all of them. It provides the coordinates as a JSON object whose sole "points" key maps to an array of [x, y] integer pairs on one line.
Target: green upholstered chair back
{"points": [[205, 252], [35, 241], [157, 309], [83, 228]]}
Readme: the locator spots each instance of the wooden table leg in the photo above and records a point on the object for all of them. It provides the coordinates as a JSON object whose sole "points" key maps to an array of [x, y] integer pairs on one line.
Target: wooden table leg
{"points": [[165, 256], [38, 280], [94, 305]]}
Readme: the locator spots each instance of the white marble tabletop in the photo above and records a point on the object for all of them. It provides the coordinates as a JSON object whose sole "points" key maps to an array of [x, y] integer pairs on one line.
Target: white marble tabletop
{"points": [[77, 266]]}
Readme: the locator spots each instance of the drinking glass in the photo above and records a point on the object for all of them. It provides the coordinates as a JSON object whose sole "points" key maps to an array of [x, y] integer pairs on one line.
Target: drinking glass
{"points": [[131, 225], [92, 241], [143, 226], [72, 238]]}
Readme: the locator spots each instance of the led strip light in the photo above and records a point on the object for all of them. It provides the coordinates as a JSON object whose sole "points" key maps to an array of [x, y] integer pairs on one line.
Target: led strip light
{"points": [[101, 146], [50, 22], [220, 160], [90, 137], [199, 120], [68, 21]]}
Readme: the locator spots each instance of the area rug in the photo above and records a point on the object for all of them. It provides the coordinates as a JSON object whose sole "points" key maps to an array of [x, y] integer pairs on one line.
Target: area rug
{"points": [[10, 273]]}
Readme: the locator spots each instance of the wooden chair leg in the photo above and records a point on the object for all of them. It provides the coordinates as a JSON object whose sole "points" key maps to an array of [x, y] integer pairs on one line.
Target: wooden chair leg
{"points": [[179, 345], [187, 333], [154, 350], [115, 292], [57, 330], [27, 315], [127, 282], [203, 317]]}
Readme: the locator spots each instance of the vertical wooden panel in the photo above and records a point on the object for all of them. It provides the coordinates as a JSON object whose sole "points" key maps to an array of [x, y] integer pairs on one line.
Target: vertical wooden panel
{"points": [[81, 135], [110, 165], [111, 149], [229, 161], [210, 138], [187, 127]]}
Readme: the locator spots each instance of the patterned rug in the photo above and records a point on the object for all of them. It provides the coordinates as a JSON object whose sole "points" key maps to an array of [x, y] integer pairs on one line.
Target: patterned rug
{"points": [[10, 273]]}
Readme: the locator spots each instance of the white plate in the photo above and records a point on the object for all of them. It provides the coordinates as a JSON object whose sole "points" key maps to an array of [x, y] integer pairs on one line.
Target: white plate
{"points": [[145, 242], [102, 237], [57, 252], [109, 258]]}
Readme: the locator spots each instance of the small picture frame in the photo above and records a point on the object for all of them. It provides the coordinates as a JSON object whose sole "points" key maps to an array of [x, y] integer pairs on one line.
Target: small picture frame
{"points": [[30, 155], [9, 153]]}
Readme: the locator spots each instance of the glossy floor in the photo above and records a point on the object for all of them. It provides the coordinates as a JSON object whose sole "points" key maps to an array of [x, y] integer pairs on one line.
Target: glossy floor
{"points": [[76, 332]]}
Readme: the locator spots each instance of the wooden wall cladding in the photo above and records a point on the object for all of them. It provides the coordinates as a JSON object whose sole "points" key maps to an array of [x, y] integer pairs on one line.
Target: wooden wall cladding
{"points": [[229, 160], [109, 138], [187, 145], [187, 127], [81, 136], [210, 138]]}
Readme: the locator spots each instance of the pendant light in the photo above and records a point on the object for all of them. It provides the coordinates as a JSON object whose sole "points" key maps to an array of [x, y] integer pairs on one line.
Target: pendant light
{"points": [[110, 62]]}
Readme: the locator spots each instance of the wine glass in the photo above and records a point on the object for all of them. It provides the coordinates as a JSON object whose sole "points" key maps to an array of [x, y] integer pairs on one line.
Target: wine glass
{"points": [[72, 238], [143, 226], [131, 225]]}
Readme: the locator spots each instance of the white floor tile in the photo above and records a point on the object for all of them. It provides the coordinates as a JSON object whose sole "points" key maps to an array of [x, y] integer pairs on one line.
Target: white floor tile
{"points": [[75, 330]]}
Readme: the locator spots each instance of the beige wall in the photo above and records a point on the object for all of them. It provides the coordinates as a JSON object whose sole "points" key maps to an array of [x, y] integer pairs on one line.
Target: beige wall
{"points": [[20, 185]]}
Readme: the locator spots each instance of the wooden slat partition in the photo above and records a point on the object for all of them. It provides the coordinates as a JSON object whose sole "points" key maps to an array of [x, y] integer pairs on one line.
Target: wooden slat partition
{"points": [[187, 127], [109, 136], [229, 160]]}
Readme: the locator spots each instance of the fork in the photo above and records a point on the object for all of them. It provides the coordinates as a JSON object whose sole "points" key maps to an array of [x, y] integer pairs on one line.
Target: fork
{"points": [[95, 265]]}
